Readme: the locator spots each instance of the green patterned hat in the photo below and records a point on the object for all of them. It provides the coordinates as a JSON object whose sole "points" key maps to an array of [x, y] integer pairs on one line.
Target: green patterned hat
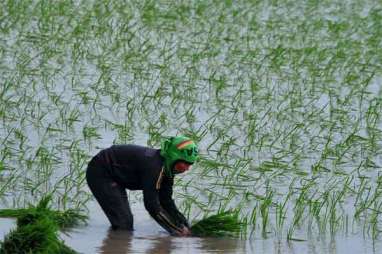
{"points": [[178, 148]]}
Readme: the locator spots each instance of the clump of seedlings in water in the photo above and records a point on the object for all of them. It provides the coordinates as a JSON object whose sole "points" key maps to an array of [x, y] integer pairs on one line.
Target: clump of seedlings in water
{"points": [[218, 225], [37, 229]]}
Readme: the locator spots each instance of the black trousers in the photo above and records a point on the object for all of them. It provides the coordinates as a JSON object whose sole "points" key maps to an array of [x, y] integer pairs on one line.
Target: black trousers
{"points": [[111, 197]]}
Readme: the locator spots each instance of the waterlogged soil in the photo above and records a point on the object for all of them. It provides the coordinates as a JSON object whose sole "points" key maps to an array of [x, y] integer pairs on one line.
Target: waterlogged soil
{"points": [[148, 237]]}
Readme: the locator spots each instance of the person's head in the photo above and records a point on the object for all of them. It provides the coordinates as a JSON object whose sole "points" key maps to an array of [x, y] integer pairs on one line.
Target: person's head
{"points": [[179, 154]]}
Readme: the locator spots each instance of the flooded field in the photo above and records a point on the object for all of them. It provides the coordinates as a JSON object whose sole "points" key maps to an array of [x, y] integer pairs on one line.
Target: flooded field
{"points": [[284, 99], [150, 238]]}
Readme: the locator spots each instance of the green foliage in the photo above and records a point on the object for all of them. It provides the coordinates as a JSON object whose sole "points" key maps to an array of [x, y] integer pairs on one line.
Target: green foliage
{"points": [[38, 236], [285, 92], [63, 219], [221, 224], [37, 229]]}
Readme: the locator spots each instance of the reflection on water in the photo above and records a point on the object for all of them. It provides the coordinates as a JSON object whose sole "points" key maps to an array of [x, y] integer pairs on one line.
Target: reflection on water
{"points": [[117, 242], [221, 245], [161, 246], [121, 242]]}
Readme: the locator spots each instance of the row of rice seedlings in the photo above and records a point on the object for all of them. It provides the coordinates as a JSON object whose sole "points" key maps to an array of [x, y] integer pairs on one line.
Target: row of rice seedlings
{"points": [[45, 161], [218, 150], [281, 214], [225, 144], [299, 209], [330, 216], [37, 228]]}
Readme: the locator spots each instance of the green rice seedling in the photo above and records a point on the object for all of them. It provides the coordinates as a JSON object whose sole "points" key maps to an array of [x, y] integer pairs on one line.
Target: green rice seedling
{"points": [[281, 212], [299, 208], [369, 207], [298, 213], [315, 206], [362, 206], [186, 207], [74, 116], [375, 212], [90, 133], [264, 211], [6, 185], [232, 193], [253, 219], [38, 236], [194, 200], [333, 220], [226, 223], [63, 219], [123, 130]]}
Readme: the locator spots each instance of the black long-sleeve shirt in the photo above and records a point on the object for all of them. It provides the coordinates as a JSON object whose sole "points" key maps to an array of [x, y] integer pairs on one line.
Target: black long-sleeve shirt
{"points": [[141, 168]]}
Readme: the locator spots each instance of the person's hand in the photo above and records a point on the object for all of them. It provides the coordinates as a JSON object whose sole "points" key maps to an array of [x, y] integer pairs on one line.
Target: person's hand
{"points": [[185, 231]]}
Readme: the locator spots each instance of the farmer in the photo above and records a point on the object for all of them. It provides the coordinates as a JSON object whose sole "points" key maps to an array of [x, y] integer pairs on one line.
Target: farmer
{"points": [[133, 167]]}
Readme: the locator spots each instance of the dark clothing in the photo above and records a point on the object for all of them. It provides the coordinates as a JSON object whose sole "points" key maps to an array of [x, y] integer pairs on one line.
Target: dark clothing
{"points": [[111, 197], [133, 167]]}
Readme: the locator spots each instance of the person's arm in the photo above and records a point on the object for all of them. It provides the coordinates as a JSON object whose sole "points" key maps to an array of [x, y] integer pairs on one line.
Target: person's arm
{"points": [[160, 215], [168, 204]]}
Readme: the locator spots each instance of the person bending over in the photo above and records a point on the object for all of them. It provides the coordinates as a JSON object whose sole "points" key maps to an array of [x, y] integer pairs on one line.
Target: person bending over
{"points": [[134, 167]]}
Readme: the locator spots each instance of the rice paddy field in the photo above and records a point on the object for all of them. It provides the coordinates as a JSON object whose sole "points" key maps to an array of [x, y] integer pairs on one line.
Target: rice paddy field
{"points": [[284, 99]]}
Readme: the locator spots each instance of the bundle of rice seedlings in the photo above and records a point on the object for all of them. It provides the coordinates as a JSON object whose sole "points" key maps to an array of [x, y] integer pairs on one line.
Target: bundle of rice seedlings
{"points": [[221, 224], [63, 219], [37, 229], [38, 237]]}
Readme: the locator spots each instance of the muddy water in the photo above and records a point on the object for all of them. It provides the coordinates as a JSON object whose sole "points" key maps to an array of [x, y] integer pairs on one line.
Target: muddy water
{"points": [[148, 237]]}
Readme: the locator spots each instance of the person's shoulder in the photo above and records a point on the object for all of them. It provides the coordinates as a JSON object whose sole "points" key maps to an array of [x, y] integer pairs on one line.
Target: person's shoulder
{"points": [[151, 152], [128, 147], [146, 154], [146, 151]]}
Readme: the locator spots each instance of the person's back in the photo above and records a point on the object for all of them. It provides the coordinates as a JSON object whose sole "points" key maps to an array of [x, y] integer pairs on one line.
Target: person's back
{"points": [[131, 165]]}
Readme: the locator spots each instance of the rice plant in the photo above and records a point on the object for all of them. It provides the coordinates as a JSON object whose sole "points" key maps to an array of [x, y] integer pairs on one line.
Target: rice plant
{"points": [[226, 223], [37, 228]]}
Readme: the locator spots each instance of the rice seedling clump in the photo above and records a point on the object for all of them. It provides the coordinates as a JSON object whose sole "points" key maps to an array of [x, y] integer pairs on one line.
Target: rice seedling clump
{"points": [[37, 229], [225, 223]]}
